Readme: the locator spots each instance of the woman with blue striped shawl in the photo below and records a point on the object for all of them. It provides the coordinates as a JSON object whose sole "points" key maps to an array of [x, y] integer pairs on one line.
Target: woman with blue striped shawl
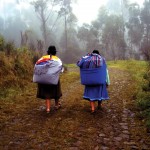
{"points": [[94, 75]]}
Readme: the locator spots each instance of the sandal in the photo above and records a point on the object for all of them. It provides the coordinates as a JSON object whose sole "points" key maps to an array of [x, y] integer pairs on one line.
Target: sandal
{"points": [[92, 111], [57, 107], [99, 107]]}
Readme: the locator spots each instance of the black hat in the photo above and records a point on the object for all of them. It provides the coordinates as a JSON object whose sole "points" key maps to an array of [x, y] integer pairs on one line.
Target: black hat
{"points": [[51, 50], [95, 51]]}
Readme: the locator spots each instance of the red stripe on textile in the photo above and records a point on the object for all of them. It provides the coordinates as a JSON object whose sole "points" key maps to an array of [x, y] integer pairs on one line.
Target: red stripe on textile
{"points": [[42, 60]]}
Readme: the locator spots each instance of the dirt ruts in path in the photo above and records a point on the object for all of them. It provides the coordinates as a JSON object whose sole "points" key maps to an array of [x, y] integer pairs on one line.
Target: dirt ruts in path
{"points": [[115, 126], [25, 125]]}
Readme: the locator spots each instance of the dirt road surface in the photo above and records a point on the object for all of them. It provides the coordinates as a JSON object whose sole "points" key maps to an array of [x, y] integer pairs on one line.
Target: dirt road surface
{"points": [[24, 124]]}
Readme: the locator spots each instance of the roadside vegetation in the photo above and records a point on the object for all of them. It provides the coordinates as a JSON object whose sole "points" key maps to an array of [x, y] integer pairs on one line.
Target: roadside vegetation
{"points": [[140, 73], [16, 68]]}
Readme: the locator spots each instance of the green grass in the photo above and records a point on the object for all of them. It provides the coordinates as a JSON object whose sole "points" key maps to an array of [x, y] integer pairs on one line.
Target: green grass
{"points": [[136, 69], [138, 72]]}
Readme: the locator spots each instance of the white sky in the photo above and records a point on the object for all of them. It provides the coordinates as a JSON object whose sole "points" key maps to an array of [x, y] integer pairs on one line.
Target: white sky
{"points": [[87, 10]]}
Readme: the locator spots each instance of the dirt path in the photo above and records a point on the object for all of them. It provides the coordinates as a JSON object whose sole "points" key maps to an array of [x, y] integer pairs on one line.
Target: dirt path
{"points": [[25, 125]]}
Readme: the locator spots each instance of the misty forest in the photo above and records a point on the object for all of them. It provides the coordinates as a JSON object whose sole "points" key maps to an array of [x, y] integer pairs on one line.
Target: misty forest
{"points": [[121, 30], [121, 33]]}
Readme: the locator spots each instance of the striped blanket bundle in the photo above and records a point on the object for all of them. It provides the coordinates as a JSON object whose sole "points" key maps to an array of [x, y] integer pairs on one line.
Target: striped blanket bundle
{"points": [[93, 69], [47, 70], [91, 60]]}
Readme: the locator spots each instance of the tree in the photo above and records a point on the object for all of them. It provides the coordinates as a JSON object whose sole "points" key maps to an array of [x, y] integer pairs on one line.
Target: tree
{"points": [[44, 14], [135, 30], [98, 26], [41, 9], [70, 42], [145, 18], [69, 17], [112, 38], [89, 37], [83, 34]]}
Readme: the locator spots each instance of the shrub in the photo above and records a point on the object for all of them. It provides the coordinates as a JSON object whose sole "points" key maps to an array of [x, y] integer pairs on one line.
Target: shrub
{"points": [[15, 71], [2, 43], [143, 100]]}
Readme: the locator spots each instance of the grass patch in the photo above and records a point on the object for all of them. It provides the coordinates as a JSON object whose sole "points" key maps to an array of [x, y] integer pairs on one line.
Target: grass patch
{"points": [[137, 70], [70, 76]]}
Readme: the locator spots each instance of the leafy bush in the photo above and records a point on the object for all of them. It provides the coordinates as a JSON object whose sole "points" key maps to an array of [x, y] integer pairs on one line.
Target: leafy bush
{"points": [[143, 100], [15, 71], [146, 76]]}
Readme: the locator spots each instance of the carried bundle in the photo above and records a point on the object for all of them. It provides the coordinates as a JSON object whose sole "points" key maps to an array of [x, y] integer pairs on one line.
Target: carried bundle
{"points": [[47, 70], [92, 69]]}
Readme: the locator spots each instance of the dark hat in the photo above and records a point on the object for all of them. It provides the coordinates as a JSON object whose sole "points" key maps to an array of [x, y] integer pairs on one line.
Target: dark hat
{"points": [[51, 50], [95, 51]]}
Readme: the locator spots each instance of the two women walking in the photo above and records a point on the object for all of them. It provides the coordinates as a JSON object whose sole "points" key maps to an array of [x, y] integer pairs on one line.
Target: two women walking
{"points": [[93, 72]]}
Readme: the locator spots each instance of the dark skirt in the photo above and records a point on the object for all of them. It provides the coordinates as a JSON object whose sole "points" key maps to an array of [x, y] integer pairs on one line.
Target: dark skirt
{"points": [[96, 93], [47, 91]]}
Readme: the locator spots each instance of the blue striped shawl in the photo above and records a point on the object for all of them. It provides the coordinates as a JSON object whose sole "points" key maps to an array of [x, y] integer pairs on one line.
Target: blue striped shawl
{"points": [[91, 60]]}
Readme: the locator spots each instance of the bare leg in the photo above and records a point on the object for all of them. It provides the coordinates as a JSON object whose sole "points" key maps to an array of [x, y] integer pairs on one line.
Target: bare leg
{"points": [[48, 105], [92, 106]]}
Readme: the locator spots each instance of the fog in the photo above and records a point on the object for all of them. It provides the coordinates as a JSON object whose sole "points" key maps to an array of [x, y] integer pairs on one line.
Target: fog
{"points": [[73, 26]]}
